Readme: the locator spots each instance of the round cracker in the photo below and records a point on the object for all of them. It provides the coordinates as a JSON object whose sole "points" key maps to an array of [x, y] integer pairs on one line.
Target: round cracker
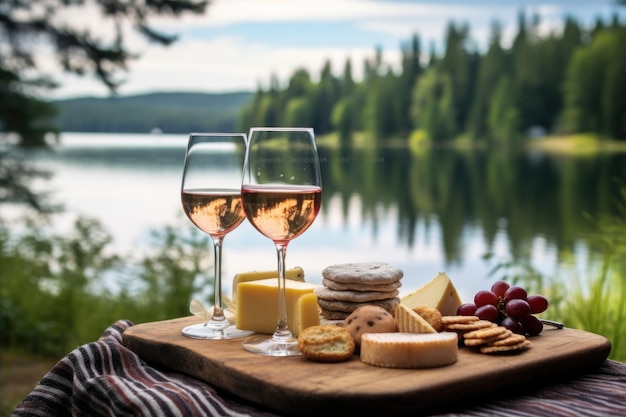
{"points": [[458, 319], [513, 339], [334, 315], [486, 332], [358, 286], [483, 341], [468, 327], [365, 273], [353, 296], [504, 349]]}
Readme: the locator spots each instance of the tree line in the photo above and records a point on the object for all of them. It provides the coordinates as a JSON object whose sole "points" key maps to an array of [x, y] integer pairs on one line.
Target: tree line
{"points": [[558, 83]]}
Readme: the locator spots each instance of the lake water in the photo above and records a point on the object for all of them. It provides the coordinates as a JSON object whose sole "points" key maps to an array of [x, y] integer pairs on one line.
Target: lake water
{"points": [[424, 212]]}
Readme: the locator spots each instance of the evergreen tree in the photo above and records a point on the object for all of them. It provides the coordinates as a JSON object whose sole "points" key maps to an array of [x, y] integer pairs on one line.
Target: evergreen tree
{"points": [[493, 66], [344, 114], [411, 70], [27, 24], [325, 96], [595, 89], [460, 66], [297, 102], [432, 107]]}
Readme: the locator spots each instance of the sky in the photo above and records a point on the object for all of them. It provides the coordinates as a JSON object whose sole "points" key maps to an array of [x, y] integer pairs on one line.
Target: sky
{"points": [[238, 45]]}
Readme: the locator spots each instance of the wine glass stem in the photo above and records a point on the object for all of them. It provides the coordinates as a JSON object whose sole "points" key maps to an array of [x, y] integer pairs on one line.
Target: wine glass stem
{"points": [[218, 319], [282, 329]]}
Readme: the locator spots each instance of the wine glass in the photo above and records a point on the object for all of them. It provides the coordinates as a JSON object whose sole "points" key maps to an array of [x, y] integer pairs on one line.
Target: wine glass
{"points": [[282, 194], [211, 199]]}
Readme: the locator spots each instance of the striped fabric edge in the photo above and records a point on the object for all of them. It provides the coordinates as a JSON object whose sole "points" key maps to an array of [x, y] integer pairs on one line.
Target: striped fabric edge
{"points": [[104, 378]]}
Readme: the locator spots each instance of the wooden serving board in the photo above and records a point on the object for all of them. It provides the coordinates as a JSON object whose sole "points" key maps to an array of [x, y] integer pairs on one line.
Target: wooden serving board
{"points": [[298, 387]]}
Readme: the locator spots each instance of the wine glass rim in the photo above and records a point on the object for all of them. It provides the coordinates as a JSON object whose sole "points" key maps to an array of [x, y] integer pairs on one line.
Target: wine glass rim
{"points": [[217, 134], [283, 129]]}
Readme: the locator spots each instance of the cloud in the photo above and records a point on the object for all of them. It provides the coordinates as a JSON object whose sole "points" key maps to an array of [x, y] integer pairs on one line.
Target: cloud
{"points": [[239, 44]]}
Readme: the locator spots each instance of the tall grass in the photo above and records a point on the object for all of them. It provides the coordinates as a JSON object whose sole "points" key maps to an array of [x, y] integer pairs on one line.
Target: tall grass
{"points": [[593, 300], [58, 292]]}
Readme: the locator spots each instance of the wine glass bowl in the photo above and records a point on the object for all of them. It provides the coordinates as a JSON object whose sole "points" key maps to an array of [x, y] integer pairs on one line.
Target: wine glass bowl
{"points": [[281, 192], [211, 199]]}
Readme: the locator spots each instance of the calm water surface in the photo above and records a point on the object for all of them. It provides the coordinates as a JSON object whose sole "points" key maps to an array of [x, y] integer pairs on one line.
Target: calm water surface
{"points": [[423, 212]]}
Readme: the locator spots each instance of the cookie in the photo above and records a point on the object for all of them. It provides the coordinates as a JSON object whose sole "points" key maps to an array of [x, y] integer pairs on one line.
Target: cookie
{"points": [[486, 332], [363, 273], [513, 339], [506, 349], [431, 315], [326, 343], [468, 327], [477, 341], [357, 286], [333, 315], [369, 319], [353, 296], [458, 319], [348, 306]]}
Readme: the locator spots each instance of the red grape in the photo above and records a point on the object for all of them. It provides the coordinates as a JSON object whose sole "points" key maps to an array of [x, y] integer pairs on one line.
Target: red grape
{"points": [[499, 288], [467, 309], [538, 303], [532, 325], [488, 312], [485, 297], [513, 325], [517, 309], [509, 306], [515, 292]]}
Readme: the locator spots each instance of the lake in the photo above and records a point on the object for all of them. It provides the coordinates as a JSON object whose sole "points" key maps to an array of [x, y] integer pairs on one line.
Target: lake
{"points": [[423, 211]]}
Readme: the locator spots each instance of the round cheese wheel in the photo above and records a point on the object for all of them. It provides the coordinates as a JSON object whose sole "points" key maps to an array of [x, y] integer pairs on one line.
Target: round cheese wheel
{"points": [[409, 350]]}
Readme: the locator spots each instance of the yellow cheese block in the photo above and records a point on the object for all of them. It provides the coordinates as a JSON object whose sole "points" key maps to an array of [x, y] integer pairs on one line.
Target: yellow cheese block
{"points": [[307, 313], [296, 274], [409, 350], [438, 293], [257, 305]]}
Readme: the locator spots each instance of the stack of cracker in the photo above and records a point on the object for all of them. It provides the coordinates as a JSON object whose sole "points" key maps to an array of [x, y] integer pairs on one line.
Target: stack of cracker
{"points": [[346, 287], [484, 335]]}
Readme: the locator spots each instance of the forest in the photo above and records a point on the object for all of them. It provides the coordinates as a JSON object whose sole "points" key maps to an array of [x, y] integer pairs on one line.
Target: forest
{"points": [[557, 83], [167, 112]]}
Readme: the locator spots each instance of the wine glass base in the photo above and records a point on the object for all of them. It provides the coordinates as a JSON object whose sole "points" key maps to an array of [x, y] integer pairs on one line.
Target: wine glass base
{"points": [[204, 331], [269, 346]]}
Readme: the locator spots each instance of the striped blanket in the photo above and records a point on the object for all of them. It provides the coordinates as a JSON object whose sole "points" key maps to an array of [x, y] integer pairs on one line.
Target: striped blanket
{"points": [[104, 378]]}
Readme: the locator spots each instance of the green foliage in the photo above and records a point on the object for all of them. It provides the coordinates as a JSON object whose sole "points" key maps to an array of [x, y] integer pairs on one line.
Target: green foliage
{"points": [[595, 87], [57, 293], [432, 109], [499, 95]]}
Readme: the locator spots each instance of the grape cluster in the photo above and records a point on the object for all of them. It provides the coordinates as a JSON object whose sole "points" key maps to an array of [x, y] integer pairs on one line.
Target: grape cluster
{"points": [[509, 306]]}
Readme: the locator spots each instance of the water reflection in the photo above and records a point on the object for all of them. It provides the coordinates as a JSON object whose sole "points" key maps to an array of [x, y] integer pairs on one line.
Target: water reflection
{"points": [[428, 211]]}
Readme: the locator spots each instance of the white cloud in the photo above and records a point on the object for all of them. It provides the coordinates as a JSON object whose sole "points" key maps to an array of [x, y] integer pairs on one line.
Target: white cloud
{"points": [[221, 65], [226, 12], [235, 63]]}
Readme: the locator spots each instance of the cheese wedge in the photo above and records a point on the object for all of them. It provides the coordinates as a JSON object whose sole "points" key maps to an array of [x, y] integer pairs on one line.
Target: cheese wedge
{"points": [[438, 293], [257, 307], [296, 274], [409, 350], [410, 322]]}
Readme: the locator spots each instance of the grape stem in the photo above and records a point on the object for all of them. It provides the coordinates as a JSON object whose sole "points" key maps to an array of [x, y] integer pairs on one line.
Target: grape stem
{"points": [[552, 323]]}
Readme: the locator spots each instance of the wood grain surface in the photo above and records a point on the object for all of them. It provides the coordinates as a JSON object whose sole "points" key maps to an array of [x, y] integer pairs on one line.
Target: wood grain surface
{"points": [[298, 387]]}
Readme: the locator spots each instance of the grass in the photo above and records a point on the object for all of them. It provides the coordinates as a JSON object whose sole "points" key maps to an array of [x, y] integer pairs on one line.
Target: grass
{"points": [[578, 144], [19, 374]]}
